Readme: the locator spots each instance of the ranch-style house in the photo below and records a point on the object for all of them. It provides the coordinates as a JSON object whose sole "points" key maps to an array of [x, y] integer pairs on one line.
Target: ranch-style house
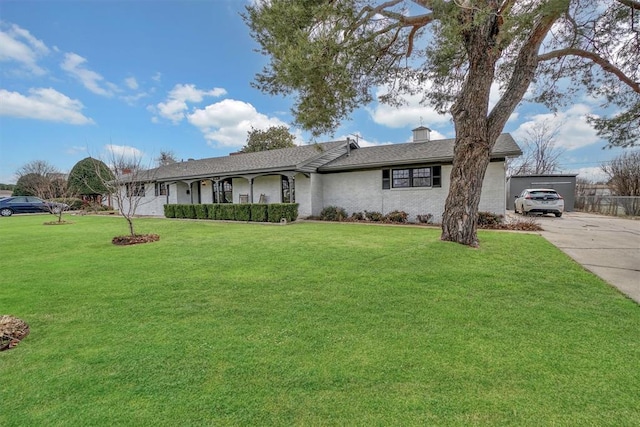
{"points": [[411, 177]]}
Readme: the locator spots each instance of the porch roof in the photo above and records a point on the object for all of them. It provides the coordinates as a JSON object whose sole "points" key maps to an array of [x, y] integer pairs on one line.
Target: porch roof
{"points": [[436, 151]]}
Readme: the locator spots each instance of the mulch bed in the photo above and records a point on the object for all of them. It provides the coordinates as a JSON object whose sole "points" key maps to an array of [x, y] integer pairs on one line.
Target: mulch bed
{"points": [[58, 223], [134, 240], [12, 331]]}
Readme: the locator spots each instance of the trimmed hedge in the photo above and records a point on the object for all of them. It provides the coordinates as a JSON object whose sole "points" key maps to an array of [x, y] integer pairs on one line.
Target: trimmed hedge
{"points": [[170, 211], [243, 212], [259, 212], [201, 211], [277, 211], [212, 211], [226, 212], [255, 212], [185, 211]]}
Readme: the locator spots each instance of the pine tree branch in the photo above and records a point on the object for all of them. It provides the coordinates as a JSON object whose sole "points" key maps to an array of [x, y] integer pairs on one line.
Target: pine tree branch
{"points": [[631, 3], [606, 65]]}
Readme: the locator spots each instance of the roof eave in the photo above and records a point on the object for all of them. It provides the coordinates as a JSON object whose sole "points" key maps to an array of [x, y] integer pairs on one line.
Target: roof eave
{"points": [[261, 171], [372, 165]]}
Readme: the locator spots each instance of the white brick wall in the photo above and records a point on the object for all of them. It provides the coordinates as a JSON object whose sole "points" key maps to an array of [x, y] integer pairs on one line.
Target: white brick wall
{"points": [[494, 189], [269, 185], [303, 195], [360, 191], [353, 191], [150, 204]]}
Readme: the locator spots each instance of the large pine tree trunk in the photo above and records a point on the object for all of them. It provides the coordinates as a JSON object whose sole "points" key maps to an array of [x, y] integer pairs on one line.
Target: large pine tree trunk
{"points": [[471, 158], [474, 140]]}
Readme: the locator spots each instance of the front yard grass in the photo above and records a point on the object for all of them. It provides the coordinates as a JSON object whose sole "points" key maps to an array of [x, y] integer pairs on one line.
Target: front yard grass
{"points": [[307, 324]]}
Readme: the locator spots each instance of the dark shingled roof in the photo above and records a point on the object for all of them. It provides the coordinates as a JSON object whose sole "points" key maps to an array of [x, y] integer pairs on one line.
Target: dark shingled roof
{"points": [[412, 153], [326, 157], [293, 158]]}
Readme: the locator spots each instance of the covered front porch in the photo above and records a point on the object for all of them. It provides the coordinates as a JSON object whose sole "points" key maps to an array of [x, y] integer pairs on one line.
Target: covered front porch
{"points": [[254, 188]]}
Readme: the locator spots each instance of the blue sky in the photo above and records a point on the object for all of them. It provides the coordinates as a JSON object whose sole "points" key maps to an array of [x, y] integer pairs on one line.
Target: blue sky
{"points": [[80, 78]]}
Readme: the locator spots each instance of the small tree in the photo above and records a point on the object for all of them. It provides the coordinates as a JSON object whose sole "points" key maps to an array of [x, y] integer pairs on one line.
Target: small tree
{"points": [[27, 184], [55, 188], [32, 176], [125, 182], [268, 139], [41, 179], [540, 154], [624, 180], [37, 167], [166, 158]]}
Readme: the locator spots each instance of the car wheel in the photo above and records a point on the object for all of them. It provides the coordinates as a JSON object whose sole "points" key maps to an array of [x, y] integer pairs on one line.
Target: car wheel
{"points": [[558, 214], [6, 212], [523, 212]]}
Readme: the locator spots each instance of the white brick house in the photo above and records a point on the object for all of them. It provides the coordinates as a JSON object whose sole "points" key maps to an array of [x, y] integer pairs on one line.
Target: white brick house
{"points": [[411, 177]]}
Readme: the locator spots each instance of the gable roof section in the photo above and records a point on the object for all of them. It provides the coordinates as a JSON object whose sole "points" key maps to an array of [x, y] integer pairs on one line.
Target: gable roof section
{"points": [[412, 153], [301, 158], [322, 157]]}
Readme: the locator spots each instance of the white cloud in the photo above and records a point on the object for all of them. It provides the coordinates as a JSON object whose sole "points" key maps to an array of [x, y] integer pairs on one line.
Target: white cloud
{"points": [[75, 149], [17, 44], [411, 114], [74, 64], [157, 77], [574, 131], [227, 122], [175, 107], [131, 83], [593, 174], [131, 99], [123, 152], [43, 104]]}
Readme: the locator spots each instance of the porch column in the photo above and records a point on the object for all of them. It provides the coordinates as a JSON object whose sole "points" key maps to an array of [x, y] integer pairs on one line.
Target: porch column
{"points": [[216, 190], [292, 194], [250, 190]]}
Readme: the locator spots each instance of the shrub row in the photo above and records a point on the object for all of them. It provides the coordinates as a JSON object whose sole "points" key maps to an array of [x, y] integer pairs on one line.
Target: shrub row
{"points": [[486, 220], [256, 212], [336, 213]]}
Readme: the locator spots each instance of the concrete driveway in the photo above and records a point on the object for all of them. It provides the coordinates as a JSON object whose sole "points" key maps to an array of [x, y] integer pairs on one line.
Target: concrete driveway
{"points": [[607, 246]]}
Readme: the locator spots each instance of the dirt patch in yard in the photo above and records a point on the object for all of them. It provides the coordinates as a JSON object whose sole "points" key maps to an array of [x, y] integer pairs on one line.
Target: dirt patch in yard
{"points": [[134, 240], [12, 331]]}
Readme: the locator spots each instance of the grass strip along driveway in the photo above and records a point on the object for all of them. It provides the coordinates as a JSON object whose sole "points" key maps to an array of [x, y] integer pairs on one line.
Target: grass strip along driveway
{"points": [[308, 324]]}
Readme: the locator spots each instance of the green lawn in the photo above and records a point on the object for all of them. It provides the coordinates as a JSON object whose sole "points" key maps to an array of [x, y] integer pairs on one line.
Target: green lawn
{"points": [[307, 324]]}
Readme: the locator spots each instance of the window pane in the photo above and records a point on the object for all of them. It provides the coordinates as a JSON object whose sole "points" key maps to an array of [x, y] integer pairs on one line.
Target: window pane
{"points": [[386, 181], [285, 189], [401, 178], [421, 177], [437, 172], [227, 191]]}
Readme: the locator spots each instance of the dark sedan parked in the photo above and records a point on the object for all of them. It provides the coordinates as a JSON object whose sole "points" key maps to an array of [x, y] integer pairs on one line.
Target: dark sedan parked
{"points": [[28, 204]]}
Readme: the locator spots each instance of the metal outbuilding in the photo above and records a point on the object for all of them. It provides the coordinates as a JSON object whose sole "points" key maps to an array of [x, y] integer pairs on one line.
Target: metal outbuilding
{"points": [[565, 184]]}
